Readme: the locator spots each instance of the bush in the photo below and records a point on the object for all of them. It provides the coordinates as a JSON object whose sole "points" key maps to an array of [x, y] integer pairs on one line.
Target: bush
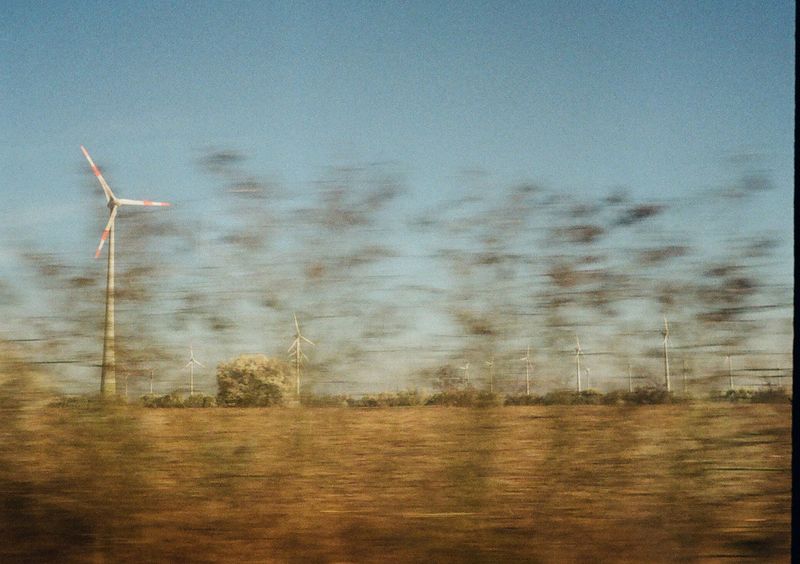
{"points": [[253, 380], [464, 398], [172, 399], [648, 396], [86, 401], [200, 400], [523, 399], [406, 398], [312, 400], [768, 395]]}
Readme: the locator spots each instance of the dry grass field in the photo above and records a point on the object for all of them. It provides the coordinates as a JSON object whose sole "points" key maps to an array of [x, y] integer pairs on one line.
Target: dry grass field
{"points": [[701, 482]]}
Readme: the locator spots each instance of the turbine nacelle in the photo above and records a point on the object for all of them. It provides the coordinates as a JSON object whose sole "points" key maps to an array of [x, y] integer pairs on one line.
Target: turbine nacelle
{"points": [[112, 202]]}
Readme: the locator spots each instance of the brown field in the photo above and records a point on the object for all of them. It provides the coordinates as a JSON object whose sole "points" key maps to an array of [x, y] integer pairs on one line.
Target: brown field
{"points": [[700, 482]]}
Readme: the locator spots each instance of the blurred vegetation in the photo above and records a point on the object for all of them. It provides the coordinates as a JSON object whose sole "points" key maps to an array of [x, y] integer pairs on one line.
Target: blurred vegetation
{"points": [[253, 381]]}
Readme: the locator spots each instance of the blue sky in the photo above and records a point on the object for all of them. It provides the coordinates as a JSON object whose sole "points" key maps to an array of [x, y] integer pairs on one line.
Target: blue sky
{"points": [[579, 96]]}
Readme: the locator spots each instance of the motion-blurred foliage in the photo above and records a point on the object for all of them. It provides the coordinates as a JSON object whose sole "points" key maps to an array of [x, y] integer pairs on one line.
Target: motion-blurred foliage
{"points": [[254, 381]]}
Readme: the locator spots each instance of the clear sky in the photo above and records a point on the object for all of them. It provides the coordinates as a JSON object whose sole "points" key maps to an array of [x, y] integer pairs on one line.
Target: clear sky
{"points": [[581, 96]]}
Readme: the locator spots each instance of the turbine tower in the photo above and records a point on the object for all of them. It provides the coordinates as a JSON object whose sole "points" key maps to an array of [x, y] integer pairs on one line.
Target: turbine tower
{"points": [[578, 355], [528, 368], [190, 365], [490, 364], [665, 333], [298, 354], [730, 371], [465, 368], [630, 379], [108, 385]]}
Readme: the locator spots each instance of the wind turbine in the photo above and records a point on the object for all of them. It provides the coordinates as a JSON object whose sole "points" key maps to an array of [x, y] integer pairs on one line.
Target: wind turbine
{"points": [[528, 367], [630, 379], [108, 385], [588, 385], [297, 353], [490, 364], [190, 365], [665, 333], [465, 368], [730, 371], [578, 355]]}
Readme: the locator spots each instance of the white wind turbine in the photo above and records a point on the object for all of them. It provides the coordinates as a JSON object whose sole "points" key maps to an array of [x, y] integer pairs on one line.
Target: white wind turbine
{"points": [[108, 386], [667, 341], [465, 368], [578, 355], [190, 365], [490, 364], [528, 368], [298, 354]]}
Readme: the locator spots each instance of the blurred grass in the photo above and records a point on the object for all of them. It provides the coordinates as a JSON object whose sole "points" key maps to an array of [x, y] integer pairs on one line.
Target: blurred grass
{"points": [[530, 483]]}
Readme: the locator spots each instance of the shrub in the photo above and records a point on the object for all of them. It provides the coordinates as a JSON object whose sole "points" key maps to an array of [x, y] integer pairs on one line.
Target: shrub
{"points": [[312, 400], [523, 399], [86, 401], [200, 400], [464, 398], [253, 380], [768, 395], [648, 396], [172, 399]]}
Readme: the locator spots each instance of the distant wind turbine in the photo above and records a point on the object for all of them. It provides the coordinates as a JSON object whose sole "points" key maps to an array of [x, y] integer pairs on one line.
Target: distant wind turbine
{"points": [[190, 365], [578, 355], [630, 379], [730, 370], [490, 364], [667, 341], [298, 354], [108, 386], [528, 368], [465, 368]]}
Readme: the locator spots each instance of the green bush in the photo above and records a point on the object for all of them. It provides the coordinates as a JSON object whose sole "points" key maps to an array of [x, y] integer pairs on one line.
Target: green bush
{"points": [[253, 380]]}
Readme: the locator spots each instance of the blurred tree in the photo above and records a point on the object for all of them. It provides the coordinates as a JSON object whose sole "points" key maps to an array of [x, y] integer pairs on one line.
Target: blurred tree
{"points": [[253, 380]]}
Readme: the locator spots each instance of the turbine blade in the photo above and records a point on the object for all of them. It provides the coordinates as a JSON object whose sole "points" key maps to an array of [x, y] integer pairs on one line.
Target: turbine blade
{"points": [[307, 340], [106, 189], [199, 364], [297, 325], [188, 364], [294, 344], [142, 202], [106, 231]]}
